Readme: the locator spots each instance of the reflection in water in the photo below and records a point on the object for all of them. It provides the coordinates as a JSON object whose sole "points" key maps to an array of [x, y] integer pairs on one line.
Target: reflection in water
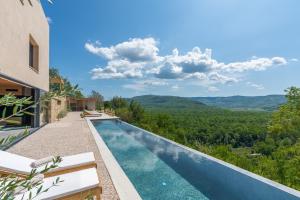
{"points": [[151, 176], [162, 170]]}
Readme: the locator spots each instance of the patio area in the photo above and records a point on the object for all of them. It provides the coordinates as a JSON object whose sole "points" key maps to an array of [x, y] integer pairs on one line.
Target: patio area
{"points": [[69, 136]]}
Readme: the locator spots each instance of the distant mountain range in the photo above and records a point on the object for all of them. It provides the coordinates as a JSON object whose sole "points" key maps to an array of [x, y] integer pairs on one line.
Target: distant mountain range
{"points": [[267, 103], [259, 103], [154, 101]]}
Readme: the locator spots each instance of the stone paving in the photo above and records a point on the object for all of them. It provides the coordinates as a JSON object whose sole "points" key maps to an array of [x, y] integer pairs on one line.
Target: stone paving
{"points": [[69, 136]]}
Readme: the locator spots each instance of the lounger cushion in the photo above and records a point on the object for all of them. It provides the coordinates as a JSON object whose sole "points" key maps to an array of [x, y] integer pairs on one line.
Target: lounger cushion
{"points": [[75, 161], [21, 165], [14, 163], [73, 183], [42, 162]]}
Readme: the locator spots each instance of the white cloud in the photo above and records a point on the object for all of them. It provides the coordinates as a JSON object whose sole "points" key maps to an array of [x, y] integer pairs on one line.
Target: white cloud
{"points": [[117, 69], [146, 84], [258, 64], [294, 60], [257, 86], [49, 20], [198, 64], [133, 50], [169, 71], [213, 89], [139, 58], [218, 78], [134, 86], [175, 87]]}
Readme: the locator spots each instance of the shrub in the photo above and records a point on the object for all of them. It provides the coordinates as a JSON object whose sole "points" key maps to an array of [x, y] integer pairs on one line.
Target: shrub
{"points": [[62, 114]]}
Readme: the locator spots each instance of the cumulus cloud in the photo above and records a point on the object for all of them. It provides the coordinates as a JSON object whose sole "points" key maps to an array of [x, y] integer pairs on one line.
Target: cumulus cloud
{"points": [[139, 58], [215, 76], [258, 64], [117, 69], [198, 64], [133, 50]]}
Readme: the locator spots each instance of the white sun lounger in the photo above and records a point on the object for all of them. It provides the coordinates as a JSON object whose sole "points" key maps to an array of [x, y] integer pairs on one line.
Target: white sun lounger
{"points": [[16, 164], [75, 185], [88, 113]]}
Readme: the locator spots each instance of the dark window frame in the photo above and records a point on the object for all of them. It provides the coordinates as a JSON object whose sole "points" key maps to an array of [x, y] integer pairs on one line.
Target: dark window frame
{"points": [[33, 54]]}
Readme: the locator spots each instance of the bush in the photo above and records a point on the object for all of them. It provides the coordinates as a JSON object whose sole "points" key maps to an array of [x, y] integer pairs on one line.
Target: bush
{"points": [[62, 114]]}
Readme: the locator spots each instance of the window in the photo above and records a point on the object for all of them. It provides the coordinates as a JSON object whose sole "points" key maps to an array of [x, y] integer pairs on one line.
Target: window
{"points": [[11, 90], [33, 54]]}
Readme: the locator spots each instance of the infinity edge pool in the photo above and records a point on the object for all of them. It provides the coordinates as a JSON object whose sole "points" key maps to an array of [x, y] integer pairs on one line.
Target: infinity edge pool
{"points": [[126, 189]]}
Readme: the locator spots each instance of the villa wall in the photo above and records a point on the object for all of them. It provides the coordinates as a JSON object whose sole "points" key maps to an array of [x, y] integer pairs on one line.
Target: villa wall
{"points": [[56, 105], [20, 21]]}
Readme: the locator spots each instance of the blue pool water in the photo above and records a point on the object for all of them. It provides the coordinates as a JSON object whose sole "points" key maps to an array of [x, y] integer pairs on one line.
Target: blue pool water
{"points": [[163, 170]]}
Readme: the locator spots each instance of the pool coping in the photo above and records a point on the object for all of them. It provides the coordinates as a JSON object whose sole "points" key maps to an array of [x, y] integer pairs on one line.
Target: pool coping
{"points": [[274, 184], [252, 175], [123, 186]]}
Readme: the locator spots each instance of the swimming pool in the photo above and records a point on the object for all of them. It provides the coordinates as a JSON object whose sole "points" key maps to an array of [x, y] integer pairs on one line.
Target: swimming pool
{"points": [[162, 169]]}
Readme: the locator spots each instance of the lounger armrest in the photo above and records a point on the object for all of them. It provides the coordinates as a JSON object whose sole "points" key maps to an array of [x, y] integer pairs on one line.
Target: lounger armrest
{"points": [[73, 183]]}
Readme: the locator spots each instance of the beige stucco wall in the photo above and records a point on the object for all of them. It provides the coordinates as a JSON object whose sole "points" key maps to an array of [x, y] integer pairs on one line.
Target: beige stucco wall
{"points": [[17, 23], [56, 105]]}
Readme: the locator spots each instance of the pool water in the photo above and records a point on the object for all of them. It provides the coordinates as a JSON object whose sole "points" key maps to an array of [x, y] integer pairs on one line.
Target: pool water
{"points": [[162, 170]]}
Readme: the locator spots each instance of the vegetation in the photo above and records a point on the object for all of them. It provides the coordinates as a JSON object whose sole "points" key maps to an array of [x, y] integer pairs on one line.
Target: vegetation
{"points": [[262, 142], [65, 89], [99, 99], [14, 185], [62, 114], [263, 103], [256, 103]]}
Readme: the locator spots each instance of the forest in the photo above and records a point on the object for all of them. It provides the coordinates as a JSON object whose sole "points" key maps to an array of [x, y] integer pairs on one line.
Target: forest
{"points": [[266, 143]]}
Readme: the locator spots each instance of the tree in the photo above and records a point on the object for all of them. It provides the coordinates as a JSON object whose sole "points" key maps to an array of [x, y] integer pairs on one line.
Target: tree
{"points": [[107, 105], [137, 111], [285, 122], [99, 99], [67, 87], [118, 102]]}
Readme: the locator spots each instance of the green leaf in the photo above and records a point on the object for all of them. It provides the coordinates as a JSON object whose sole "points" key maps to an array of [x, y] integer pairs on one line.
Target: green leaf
{"points": [[39, 189], [28, 113], [15, 110], [4, 112], [9, 121]]}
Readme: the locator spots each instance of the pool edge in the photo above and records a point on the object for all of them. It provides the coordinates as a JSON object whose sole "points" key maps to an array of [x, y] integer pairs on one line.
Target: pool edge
{"points": [[122, 184], [270, 182]]}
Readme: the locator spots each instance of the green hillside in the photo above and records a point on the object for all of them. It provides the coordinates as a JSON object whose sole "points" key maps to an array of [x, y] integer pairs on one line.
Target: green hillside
{"points": [[267, 103], [168, 102], [255, 103], [266, 143]]}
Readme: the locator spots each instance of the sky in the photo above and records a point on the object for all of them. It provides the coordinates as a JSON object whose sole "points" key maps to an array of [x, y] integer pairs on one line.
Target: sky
{"points": [[176, 47]]}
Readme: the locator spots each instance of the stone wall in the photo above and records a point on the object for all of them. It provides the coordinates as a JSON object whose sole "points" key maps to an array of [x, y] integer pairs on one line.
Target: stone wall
{"points": [[55, 106]]}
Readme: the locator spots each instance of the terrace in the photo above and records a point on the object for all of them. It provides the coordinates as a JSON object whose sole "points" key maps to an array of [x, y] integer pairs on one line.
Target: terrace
{"points": [[69, 136], [73, 135]]}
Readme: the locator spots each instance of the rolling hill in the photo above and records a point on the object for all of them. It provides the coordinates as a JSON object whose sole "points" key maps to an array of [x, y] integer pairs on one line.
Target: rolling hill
{"points": [[166, 102], [257, 103], [266, 103]]}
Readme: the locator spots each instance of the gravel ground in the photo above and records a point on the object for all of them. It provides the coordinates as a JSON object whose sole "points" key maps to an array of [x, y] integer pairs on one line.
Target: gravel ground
{"points": [[69, 136]]}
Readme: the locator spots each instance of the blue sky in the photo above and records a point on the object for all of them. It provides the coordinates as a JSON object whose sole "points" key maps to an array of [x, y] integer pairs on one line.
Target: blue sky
{"points": [[176, 47]]}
